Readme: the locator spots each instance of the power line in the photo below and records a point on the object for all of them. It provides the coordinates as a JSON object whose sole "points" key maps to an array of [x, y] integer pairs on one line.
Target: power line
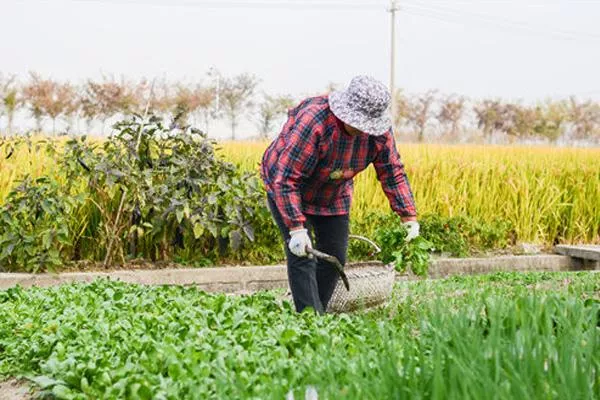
{"points": [[505, 28], [489, 16], [436, 12], [506, 2], [250, 4], [460, 16]]}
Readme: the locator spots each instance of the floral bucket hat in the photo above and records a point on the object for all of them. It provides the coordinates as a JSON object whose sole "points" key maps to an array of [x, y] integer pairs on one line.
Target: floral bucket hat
{"points": [[364, 105]]}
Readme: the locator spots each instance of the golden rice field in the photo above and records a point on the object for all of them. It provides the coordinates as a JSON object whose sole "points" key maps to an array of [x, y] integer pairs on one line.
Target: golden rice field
{"points": [[545, 192]]}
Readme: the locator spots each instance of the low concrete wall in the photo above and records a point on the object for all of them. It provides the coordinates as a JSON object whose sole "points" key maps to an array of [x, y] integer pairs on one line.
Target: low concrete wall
{"points": [[458, 266], [225, 279], [251, 279]]}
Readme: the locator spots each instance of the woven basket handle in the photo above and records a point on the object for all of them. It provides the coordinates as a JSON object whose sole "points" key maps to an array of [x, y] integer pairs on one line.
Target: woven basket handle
{"points": [[372, 243]]}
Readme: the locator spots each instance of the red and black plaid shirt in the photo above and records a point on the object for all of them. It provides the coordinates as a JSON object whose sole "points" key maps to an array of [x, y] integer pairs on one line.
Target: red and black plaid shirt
{"points": [[309, 167]]}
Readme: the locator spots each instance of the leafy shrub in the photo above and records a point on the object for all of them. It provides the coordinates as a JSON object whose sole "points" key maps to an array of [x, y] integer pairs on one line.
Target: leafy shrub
{"points": [[34, 232], [446, 234], [461, 236], [153, 191], [180, 198]]}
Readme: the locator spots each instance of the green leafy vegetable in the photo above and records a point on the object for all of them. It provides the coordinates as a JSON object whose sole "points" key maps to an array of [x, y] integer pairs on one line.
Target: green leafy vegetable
{"points": [[514, 335], [395, 249]]}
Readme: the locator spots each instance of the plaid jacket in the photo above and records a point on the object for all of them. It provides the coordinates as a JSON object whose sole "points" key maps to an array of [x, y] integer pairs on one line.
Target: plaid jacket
{"points": [[309, 167]]}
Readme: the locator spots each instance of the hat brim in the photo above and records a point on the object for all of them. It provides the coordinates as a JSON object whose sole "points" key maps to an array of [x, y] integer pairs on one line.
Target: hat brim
{"points": [[339, 106]]}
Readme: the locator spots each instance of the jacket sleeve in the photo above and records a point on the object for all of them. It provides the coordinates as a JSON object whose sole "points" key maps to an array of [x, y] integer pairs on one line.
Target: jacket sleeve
{"points": [[297, 161], [391, 174]]}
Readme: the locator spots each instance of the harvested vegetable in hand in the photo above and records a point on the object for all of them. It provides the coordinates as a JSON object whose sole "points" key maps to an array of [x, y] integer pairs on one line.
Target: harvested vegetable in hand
{"points": [[414, 254]]}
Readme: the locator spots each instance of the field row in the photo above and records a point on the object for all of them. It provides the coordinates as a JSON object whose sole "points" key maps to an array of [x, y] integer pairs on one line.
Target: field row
{"points": [[525, 336]]}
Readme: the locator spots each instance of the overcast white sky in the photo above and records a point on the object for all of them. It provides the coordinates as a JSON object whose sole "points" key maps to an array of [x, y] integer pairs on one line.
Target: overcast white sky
{"points": [[527, 49]]}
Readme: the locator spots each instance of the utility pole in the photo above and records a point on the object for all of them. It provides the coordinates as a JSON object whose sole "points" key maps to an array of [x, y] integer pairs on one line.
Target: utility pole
{"points": [[393, 8]]}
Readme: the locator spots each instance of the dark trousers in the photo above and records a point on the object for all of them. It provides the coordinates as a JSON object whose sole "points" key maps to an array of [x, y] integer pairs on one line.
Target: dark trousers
{"points": [[312, 281]]}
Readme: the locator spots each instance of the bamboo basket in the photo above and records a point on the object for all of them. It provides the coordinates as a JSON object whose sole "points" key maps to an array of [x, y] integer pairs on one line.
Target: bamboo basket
{"points": [[371, 285], [362, 285]]}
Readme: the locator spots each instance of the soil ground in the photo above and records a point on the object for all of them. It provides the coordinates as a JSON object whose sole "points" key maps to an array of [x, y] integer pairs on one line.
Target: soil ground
{"points": [[13, 389]]}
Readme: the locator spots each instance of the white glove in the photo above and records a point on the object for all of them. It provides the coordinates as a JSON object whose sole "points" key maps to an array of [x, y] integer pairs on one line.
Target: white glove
{"points": [[412, 228], [299, 242]]}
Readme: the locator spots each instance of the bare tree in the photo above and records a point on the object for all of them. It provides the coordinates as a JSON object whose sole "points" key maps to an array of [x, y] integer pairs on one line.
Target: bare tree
{"points": [[87, 105], [157, 94], [451, 113], [59, 102], [205, 99], [419, 112], [513, 120], [35, 92], [401, 116], [161, 99], [551, 119], [236, 95], [585, 118], [184, 103], [195, 100], [48, 98], [106, 98], [10, 101], [522, 121], [129, 96], [73, 109], [489, 115], [270, 109]]}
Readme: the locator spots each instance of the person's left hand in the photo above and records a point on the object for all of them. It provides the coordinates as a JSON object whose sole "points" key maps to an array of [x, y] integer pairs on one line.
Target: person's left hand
{"points": [[412, 227]]}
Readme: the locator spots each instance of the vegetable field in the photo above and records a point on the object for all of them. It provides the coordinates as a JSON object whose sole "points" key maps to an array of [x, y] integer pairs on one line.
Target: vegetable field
{"points": [[502, 336]]}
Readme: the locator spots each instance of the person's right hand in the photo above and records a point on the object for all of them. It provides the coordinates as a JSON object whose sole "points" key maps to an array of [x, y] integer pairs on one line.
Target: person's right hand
{"points": [[299, 241], [412, 229]]}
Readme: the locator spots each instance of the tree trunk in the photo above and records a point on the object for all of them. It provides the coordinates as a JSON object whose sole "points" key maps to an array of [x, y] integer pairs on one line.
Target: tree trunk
{"points": [[38, 123], [233, 128], [10, 115], [455, 129], [54, 126], [71, 124], [487, 131], [421, 134]]}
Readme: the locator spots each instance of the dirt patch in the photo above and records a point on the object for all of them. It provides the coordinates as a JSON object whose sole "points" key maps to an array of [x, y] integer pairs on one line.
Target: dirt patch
{"points": [[14, 389], [96, 266], [138, 264]]}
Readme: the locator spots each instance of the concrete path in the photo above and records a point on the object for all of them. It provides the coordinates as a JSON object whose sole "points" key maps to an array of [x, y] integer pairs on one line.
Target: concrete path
{"points": [[251, 279], [586, 252]]}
